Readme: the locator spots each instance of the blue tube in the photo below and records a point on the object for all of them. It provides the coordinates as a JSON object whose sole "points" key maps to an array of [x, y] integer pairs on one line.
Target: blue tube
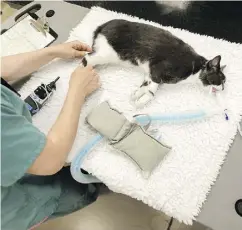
{"points": [[77, 162], [141, 119], [182, 117]]}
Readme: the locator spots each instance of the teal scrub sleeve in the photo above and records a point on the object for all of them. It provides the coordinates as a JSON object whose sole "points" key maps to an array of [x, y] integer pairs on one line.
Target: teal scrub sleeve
{"points": [[21, 142]]}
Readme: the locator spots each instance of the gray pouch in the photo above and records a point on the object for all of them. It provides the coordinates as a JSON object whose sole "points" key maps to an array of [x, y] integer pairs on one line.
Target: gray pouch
{"points": [[143, 149], [127, 137], [108, 121]]}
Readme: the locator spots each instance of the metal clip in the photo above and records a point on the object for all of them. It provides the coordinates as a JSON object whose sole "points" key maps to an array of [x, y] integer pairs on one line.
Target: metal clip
{"points": [[40, 25]]}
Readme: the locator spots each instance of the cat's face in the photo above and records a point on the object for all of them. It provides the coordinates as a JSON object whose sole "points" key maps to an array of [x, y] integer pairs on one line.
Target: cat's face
{"points": [[212, 73]]}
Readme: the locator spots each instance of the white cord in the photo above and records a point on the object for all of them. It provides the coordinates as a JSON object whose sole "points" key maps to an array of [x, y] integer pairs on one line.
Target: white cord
{"points": [[224, 108]]}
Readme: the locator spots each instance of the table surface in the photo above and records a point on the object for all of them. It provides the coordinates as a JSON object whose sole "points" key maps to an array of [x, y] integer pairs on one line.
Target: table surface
{"points": [[218, 210]]}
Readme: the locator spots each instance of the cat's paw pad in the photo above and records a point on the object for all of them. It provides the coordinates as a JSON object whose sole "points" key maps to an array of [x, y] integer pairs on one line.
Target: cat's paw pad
{"points": [[137, 94], [144, 99]]}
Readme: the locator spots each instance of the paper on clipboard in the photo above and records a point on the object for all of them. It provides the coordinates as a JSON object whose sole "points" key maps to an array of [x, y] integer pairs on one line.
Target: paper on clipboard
{"points": [[23, 37]]}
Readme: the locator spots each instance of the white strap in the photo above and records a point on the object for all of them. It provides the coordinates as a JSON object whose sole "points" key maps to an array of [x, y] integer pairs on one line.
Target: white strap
{"points": [[220, 100]]}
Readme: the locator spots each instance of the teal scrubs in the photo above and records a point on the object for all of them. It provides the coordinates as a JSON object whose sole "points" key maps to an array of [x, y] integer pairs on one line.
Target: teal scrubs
{"points": [[26, 199]]}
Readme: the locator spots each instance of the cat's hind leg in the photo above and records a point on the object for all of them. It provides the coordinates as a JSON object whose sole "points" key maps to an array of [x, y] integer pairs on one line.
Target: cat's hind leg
{"points": [[103, 53], [93, 59], [145, 93]]}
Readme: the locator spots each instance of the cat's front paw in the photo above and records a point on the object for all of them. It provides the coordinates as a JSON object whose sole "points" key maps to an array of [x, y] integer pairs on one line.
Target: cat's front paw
{"points": [[143, 100], [137, 93]]}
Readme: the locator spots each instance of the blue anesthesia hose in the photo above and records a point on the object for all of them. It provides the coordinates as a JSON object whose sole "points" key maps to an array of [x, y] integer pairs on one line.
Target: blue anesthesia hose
{"points": [[77, 162], [142, 120], [183, 117]]}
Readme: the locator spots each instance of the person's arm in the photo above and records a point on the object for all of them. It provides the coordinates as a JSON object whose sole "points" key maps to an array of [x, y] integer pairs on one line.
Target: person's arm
{"points": [[62, 135], [18, 66], [15, 67]]}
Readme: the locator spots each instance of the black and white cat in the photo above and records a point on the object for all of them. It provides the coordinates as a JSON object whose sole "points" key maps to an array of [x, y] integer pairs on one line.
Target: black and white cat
{"points": [[164, 57]]}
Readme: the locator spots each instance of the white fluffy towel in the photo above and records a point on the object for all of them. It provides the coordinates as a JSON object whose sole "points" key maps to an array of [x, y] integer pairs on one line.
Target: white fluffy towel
{"points": [[180, 184]]}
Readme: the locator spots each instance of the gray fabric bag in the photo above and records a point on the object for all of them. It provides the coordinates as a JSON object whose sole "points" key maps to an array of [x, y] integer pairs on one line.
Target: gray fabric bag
{"points": [[127, 137]]}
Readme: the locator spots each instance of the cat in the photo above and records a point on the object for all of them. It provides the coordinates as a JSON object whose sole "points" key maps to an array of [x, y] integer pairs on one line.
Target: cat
{"points": [[163, 57]]}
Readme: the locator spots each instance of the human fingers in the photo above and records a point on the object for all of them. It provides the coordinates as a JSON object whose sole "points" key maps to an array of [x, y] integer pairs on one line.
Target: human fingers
{"points": [[79, 46]]}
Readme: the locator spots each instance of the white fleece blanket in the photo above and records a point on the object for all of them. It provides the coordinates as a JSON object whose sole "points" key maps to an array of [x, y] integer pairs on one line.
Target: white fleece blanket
{"points": [[180, 184]]}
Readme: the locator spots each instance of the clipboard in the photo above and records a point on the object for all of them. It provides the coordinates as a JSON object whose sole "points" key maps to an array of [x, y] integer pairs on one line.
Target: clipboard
{"points": [[25, 36]]}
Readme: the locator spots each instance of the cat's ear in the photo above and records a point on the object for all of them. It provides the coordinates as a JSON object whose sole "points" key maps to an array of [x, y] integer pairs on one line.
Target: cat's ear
{"points": [[222, 67], [215, 62]]}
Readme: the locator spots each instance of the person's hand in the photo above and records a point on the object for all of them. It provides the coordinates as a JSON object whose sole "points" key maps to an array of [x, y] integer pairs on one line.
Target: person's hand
{"points": [[73, 49], [84, 80]]}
